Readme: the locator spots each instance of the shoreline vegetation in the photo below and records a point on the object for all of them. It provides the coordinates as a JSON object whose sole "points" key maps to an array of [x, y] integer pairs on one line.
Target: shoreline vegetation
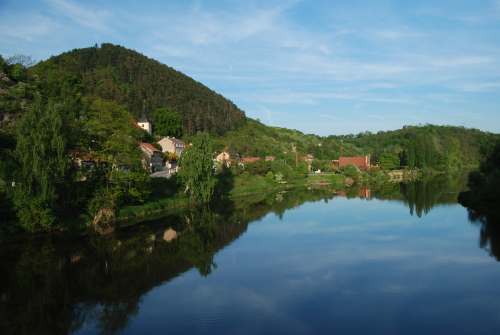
{"points": [[251, 185], [72, 158]]}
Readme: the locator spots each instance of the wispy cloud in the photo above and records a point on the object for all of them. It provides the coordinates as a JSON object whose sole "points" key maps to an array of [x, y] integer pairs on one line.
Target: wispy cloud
{"points": [[17, 27], [94, 18]]}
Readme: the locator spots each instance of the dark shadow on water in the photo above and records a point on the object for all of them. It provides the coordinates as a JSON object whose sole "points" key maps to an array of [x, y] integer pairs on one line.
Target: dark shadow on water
{"points": [[489, 235]]}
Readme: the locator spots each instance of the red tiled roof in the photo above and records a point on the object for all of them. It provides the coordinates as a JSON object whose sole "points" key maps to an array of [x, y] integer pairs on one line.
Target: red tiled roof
{"points": [[362, 162], [148, 147]]}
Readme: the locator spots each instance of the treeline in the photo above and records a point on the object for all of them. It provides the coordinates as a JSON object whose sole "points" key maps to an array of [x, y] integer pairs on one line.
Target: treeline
{"points": [[435, 147], [483, 196], [424, 147], [142, 84]]}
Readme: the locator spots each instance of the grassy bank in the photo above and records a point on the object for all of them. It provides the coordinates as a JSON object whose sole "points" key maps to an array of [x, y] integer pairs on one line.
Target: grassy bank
{"points": [[243, 185]]}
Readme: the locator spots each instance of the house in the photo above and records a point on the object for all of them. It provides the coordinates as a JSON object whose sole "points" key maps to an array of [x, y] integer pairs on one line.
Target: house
{"points": [[172, 145], [361, 162], [144, 124], [224, 159], [153, 158]]}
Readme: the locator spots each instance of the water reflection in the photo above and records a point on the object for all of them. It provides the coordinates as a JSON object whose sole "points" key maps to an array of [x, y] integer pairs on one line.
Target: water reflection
{"points": [[489, 235], [58, 285], [55, 285]]}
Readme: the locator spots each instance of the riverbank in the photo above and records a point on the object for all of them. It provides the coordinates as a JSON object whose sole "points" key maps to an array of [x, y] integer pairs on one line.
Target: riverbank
{"points": [[235, 189], [247, 185], [254, 192]]}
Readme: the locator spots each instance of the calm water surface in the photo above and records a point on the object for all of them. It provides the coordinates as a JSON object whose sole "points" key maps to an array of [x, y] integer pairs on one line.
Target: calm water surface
{"points": [[397, 260]]}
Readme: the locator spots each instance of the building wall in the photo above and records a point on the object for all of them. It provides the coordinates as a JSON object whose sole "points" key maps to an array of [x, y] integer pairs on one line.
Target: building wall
{"points": [[145, 125], [168, 145]]}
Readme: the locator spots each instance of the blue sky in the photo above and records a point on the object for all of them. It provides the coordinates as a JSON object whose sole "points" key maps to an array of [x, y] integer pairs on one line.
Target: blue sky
{"points": [[324, 67]]}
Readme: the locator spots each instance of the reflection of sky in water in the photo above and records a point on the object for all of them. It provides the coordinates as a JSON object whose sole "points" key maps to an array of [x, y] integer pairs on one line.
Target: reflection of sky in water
{"points": [[353, 266]]}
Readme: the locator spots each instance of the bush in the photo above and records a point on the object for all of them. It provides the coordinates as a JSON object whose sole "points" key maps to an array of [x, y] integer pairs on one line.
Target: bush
{"points": [[259, 168]]}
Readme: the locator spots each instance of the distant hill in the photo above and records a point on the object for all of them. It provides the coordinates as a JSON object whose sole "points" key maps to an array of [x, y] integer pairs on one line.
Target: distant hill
{"points": [[440, 147], [429, 146], [143, 84]]}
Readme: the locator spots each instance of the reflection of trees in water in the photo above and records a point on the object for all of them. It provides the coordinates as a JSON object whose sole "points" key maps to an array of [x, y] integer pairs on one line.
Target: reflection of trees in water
{"points": [[54, 285], [489, 234], [423, 195]]}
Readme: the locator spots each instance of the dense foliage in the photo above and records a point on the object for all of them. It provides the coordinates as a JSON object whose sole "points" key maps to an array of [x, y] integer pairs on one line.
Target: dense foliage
{"points": [[41, 153], [484, 184], [142, 85], [197, 169], [55, 127], [167, 123], [423, 147], [435, 147]]}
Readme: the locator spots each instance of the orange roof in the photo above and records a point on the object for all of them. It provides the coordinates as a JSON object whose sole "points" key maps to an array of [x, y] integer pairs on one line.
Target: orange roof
{"points": [[362, 162], [148, 147]]}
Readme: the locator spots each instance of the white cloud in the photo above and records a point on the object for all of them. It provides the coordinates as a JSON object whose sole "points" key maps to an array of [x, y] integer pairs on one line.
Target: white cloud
{"points": [[394, 34], [95, 19], [461, 61]]}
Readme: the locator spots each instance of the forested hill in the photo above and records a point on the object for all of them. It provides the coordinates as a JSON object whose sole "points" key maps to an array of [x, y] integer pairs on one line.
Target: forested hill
{"points": [[429, 146], [139, 83], [441, 147]]}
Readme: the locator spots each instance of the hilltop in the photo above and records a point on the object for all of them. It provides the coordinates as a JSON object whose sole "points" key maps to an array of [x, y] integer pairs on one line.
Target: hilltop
{"points": [[142, 84]]}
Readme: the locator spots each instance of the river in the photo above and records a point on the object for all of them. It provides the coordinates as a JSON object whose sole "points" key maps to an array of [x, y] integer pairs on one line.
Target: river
{"points": [[395, 259]]}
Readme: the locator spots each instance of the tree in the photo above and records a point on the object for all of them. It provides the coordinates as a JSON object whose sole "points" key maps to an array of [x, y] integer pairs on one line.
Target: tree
{"points": [[111, 135], [41, 153], [389, 161], [24, 60], [2, 64], [196, 169], [167, 122]]}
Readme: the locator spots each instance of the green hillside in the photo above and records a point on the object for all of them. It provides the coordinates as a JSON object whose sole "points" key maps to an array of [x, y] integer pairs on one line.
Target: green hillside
{"points": [[139, 83], [440, 147], [437, 147]]}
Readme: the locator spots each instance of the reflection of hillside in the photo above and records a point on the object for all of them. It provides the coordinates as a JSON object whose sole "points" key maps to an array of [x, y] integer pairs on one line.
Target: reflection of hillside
{"points": [[53, 286], [423, 195]]}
